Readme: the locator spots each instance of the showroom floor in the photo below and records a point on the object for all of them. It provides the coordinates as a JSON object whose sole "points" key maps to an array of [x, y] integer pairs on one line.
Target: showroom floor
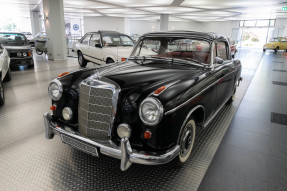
{"points": [[252, 155]]}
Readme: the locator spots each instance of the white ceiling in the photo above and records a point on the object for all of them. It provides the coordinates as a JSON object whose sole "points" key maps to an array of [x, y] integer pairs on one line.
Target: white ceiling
{"points": [[179, 10]]}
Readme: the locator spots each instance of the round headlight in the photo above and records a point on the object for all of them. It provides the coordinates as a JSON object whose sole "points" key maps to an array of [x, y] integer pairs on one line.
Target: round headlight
{"points": [[24, 53], [151, 111], [124, 130], [67, 113], [19, 54], [55, 90]]}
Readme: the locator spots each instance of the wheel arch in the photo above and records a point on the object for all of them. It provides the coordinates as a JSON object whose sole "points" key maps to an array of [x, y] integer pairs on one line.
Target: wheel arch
{"points": [[198, 112], [109, 58]]}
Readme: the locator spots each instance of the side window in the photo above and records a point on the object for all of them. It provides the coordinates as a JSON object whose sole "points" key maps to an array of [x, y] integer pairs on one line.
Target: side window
{"points": [[95, 40], [221, 50], [283, 40], [86, 39]]}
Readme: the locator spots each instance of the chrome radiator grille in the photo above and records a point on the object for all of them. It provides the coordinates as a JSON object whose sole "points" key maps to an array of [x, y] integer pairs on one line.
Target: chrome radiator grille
{"points": [[96, 111]]}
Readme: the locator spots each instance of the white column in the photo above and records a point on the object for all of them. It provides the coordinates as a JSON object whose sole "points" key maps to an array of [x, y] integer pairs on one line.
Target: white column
{"points": [[55, 29], [164, 22], [36, 24]]}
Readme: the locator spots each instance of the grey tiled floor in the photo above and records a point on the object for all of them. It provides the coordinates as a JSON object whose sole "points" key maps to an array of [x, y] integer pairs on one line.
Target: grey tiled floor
{"points": [[253, 153]]}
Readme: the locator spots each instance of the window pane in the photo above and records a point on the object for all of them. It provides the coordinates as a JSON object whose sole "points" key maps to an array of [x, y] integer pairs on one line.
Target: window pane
{"points": [[262, 23], [86, 39], [95, 40], [241, 23], [272, 23], [249, 23], [221, 50]]}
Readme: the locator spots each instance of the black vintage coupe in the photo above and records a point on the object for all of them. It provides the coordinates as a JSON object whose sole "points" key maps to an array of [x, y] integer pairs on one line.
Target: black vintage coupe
{"points": [[146, 110], [18, 47]]}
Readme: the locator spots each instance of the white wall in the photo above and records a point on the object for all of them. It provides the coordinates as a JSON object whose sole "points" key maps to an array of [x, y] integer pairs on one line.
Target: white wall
{"points": [[142, 27], [191, 26], [221, 27], [93, 24], [281, 24]]}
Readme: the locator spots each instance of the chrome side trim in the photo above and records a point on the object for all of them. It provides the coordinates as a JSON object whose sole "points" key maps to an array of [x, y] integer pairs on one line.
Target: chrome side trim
{"points": [[187, 117], [186, 102], [124, 152]]}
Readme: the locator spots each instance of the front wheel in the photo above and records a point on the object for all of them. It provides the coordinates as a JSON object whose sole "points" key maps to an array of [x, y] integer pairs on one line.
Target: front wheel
{"points": [[276, 50], [82, 61], [186, 143], [39, 52], [2, 96], [7, 78], [109, 61]]}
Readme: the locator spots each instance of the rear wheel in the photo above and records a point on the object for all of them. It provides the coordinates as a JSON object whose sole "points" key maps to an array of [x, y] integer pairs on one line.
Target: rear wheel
{"points": [[2, 96], [264, 50], [8, 76], [186, 143], [232, 98], [82, 61]]}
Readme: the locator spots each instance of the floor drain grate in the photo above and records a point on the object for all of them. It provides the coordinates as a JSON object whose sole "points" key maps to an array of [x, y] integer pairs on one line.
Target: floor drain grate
{"points": [[279, 118], [280, 83], [275, 70]]}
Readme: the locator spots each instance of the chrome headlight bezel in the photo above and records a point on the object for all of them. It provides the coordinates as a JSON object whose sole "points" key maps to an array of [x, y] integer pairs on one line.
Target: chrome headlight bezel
{"points": [[60, 88], [25, 54], [159, 107]]}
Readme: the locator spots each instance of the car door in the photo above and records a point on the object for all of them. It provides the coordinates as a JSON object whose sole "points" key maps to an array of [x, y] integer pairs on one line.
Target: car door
{"points": [[95, 49], [84, 46], [225, 72]]}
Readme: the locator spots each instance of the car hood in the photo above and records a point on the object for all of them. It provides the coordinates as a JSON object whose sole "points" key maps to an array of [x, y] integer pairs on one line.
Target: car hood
{"points": [[121, 51], [11, 48]]}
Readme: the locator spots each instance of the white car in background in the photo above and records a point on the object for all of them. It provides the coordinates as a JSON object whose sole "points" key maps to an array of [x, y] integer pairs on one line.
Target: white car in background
{"points": [[5, 72], [103, 47]]}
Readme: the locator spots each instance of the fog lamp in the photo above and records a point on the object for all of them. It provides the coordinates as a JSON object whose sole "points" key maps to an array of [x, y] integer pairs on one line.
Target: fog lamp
{"points": [[124, 130], [67, 113]]}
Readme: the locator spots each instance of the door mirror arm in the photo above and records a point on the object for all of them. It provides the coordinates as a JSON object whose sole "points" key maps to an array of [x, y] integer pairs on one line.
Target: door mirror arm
{"points": [[218, 60]]}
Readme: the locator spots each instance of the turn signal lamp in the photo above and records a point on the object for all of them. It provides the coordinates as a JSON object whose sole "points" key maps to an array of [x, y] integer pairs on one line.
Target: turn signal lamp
{"points": [[29, 53], [159, 90], [53, 107], [63, 74], [123, 59], [147, 134]]}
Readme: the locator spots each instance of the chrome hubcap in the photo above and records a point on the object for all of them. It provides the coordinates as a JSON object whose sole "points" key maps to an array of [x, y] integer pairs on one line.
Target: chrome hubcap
{"points": [[80, 59], [186, 142]]}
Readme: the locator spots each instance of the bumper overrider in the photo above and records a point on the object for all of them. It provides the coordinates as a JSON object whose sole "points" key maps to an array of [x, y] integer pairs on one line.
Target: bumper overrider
{"points": [[125, 153]]}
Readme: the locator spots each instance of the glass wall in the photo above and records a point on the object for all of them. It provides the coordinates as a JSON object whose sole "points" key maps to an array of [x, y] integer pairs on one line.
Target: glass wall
{"points": [[15, 24]]}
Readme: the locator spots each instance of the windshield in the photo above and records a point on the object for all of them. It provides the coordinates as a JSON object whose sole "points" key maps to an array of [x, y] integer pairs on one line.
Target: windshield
{"points": [[274, 40], [117, 40], [174, 47], [12, 39]]}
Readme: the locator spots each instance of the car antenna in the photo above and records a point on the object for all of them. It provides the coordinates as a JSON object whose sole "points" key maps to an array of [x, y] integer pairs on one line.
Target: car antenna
{"points": [[118, 45]]}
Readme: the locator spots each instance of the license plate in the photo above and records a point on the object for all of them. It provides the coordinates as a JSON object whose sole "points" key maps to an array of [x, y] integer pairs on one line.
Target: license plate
{"points": [[80, 145]]}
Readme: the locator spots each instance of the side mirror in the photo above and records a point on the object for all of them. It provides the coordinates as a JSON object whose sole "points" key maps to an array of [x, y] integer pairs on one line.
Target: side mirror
{"points": [[218, 60], [98, 45]]}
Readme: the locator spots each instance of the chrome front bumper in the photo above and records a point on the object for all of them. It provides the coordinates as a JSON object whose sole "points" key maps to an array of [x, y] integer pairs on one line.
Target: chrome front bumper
{"points": [[124, 152]]}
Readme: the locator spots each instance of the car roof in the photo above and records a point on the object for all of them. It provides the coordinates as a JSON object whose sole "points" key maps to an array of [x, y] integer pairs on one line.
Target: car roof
{"points": [[107, 32], [190, 34], [11, 32]]}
